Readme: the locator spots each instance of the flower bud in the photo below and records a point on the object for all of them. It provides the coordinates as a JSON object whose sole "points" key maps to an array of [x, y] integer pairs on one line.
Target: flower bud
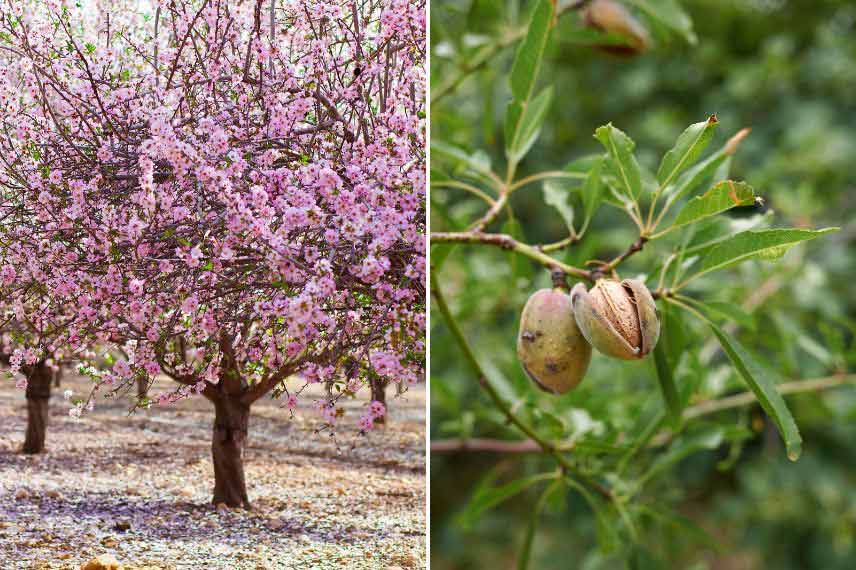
{"points": [[550, 346], [618, 319]]}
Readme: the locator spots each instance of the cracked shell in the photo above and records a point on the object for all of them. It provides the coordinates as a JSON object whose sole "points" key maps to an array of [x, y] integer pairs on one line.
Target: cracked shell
{"points": [[619, 319], [551, 348]]}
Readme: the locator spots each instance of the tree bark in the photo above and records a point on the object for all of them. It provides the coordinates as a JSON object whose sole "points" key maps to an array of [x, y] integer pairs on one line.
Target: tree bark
{"points": [[379, 394], [38, 395], [231, 420], [142, 387]]}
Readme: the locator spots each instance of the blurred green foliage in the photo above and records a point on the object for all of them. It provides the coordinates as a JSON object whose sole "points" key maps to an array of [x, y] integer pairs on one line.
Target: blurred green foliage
{"points": [[787, 70]]}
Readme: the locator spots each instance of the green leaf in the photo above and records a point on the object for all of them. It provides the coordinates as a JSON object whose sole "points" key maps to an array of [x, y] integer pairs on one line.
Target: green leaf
{"points": [[731, 312], [487, 497], [670, 14], [527, 62], [760, 382], [607, 527], [667, 385], [722, 197], [525, 120], [686, 151], [684, 446], [711, 166], [764, 244], [558, 196], [592, 192], [526, 549], [477, 163], [622, 161]]}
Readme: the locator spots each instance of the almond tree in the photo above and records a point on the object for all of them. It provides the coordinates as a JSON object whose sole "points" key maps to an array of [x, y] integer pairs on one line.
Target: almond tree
{"points": [[232, 194]]}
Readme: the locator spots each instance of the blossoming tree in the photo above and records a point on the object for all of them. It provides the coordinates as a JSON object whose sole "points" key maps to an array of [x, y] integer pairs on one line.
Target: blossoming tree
{"points": [[233, 193]]}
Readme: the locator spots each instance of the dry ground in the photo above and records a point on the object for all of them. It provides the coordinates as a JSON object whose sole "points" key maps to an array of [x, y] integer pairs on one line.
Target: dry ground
{"points": [[139, 487]]}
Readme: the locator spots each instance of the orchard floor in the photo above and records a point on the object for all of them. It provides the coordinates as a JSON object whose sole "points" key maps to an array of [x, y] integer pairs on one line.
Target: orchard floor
{"points": [[138, 487]]}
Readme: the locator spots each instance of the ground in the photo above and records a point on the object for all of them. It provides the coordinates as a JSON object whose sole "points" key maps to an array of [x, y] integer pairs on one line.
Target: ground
{"points": [[138, 487]]}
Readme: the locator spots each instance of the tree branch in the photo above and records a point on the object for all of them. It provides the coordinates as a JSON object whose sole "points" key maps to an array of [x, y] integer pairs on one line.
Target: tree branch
{"points": [[508, 243]]}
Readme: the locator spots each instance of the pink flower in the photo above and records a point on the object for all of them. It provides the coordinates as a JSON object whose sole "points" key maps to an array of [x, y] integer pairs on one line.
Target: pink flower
{"points": [[377, 409], [136, 286], [190, 304], [122, 368], [8, 274], [365, 423]]}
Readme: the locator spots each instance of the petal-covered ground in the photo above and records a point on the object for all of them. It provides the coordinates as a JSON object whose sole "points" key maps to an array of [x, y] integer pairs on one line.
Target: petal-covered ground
{"points": [[138, 487]]}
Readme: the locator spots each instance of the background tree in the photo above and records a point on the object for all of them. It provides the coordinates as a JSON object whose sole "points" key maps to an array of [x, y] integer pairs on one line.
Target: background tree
{"points": [[233, 203], [706, 481]]}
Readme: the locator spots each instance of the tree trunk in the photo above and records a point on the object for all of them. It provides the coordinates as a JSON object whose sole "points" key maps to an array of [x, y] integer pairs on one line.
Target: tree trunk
{"points": [[379, 394], [142, 387], [231, 420], [38, 397]]}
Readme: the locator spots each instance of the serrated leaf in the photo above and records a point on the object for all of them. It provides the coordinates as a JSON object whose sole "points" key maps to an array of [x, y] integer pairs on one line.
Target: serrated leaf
{"points": [[527, 117], [530, 53], [764, 244], [558, 196], [711, 166], [686, 151], [722, 197], [670, 14], [762, 385], [622, 161]]}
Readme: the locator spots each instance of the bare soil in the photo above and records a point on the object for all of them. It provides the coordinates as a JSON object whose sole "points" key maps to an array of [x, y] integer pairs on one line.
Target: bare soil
{"points": [[139, 487]]}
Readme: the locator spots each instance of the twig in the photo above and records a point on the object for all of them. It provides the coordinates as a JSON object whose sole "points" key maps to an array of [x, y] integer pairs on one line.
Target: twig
{"points": [[507, 242]]}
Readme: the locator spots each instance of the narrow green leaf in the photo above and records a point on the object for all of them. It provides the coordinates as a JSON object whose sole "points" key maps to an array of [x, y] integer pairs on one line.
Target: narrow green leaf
{"points": [[764, 244], [607, 527], [526, 549], [712, 166], [686, 151], [558, 196], [528, 124], [527, 62], [670, 14], [477, 163], [622, 161], [684, 446], [592, 192], [724, 196], [667, 385], [759, 381], [731, 312], [488, 497]]}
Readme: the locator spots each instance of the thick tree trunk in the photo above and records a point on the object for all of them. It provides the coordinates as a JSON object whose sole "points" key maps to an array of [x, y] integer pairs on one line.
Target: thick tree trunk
{"points": [[379, 394], [231, 420], [38, 395]]}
